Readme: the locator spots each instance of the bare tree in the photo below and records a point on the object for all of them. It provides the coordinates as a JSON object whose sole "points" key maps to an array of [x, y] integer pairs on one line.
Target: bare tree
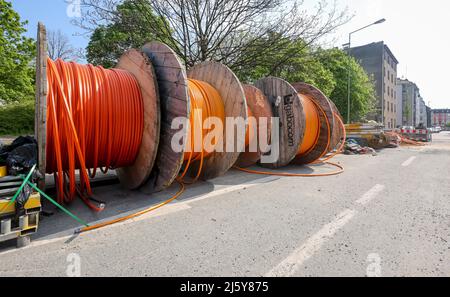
{"points": [[239, 33], [59, 47]]}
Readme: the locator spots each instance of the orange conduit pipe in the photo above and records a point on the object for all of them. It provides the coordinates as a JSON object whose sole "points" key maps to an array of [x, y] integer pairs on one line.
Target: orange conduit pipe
{"points": [[95, 120], [312, 127], [206, 103], [251, 130], [203, 98]]}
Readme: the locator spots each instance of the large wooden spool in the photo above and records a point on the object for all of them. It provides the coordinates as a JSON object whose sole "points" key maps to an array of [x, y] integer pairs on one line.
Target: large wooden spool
{"points": [[324, 142], [230, 89], [137, 64], [286, 105], [258, 103], [175, 103]]}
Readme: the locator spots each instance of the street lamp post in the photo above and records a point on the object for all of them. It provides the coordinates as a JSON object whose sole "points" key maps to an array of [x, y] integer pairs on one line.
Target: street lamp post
{"points": [[349, 64]]}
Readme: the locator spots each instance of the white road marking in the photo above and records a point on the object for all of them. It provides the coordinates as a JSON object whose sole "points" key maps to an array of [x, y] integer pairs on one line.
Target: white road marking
{"points": [[290, 265], [371, 194], [409, 161]]}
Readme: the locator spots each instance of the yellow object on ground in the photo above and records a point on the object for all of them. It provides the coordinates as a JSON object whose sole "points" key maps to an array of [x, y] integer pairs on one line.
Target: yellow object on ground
{"points": [[34, 202], [3, 171]]}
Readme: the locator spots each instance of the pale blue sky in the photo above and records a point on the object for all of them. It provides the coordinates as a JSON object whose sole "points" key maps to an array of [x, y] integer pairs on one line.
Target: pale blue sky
{"points": [[416, 31]]}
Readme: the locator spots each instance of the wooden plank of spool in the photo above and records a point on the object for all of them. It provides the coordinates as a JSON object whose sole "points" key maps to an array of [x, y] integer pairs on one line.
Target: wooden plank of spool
{"points": [[40, 117], [230, 89], [173, 89], [261, 108], [338, 133], [287, 106], [138, 64], [323, 145]]}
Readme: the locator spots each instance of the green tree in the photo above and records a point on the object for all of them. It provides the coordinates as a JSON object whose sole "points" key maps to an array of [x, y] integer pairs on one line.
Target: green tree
{"points": [[16, 56], [363, 100], [293, 61], [108, 42]]}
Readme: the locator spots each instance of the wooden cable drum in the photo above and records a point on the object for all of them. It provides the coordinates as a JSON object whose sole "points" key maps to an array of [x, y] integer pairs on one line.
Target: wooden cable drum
{"points": [[259, 107], [222, 79], [323, 142], [97, 87], [286, 105], [176, 89]]}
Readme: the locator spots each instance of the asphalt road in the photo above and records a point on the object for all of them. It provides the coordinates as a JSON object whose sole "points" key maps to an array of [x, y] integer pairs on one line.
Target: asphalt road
{"points": [[387, 215]]}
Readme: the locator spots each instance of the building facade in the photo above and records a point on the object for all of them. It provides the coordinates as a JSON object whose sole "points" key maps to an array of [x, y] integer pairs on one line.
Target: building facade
{"points": [[429, 117], [408, 96], [422, 112], [381, 65], [440, 117]]}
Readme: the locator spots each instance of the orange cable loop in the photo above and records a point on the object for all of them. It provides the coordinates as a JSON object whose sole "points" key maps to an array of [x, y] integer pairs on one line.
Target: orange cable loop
{"points": [[206, 103], [95, 119]]}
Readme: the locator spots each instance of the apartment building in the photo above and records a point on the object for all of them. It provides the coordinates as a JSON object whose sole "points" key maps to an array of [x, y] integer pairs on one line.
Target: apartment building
{"points": [[440, 117], [411, 107], [381, 64]]}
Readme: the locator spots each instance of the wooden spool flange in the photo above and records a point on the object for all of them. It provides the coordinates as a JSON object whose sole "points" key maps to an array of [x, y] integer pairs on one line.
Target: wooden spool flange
{"points": [[173, 90], [40, 116], [258, 103], [286, 105], [338, 132], [230, 89], [323, 145], [137, 64]]}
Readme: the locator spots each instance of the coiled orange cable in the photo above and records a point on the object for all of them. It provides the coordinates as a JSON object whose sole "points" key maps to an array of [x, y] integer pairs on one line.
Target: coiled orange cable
{"points": [[206, 103], [251, 129], [95, 119], [312, 127]]}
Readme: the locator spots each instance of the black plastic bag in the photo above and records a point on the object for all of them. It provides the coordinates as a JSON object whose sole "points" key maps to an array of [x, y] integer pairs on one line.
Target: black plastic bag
{"points": [[21, 159], [20, 156]]}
